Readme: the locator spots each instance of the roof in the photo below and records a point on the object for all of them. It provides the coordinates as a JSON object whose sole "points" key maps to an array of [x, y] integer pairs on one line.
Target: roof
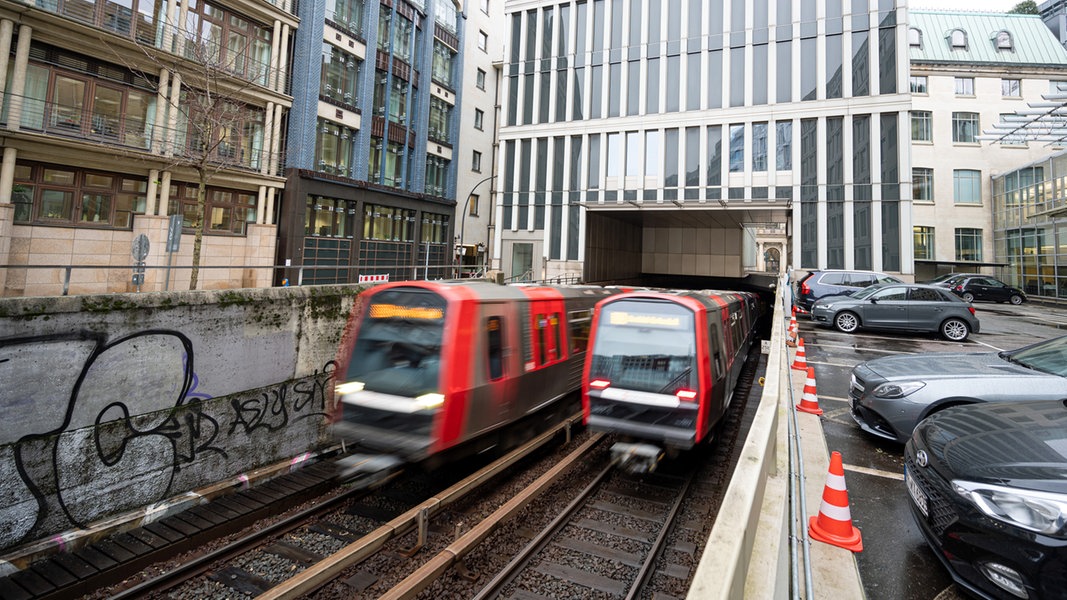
{"points": [[1033, 43]]}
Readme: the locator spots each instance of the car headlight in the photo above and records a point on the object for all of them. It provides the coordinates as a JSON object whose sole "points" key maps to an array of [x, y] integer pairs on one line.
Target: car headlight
{"points": [[898, 390], [825, 306], [1042, 512]]}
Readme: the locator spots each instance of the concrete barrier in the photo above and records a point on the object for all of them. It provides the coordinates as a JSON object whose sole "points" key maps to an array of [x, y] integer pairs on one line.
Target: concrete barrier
{"points": [[123, 403]]}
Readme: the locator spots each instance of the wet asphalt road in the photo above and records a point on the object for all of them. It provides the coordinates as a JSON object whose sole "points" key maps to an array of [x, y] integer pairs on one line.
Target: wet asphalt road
{"points": [[896, 563]]}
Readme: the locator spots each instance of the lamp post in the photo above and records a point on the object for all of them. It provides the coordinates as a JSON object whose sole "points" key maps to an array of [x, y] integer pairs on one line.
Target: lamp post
{"points": [[463, 218]]}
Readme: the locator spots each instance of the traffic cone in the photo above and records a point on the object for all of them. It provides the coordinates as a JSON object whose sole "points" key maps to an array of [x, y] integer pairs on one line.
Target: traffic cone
{"points": [[833, 525], [800, 361], [791, 331], [809, 402]]}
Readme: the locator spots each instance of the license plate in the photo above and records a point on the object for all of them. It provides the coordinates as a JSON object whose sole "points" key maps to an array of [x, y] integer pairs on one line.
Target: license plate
{"points": [[916, 494]]}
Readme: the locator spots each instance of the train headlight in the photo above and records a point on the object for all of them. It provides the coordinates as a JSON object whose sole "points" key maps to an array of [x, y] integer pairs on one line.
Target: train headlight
{"points": [[348, 387], [429, 401]]}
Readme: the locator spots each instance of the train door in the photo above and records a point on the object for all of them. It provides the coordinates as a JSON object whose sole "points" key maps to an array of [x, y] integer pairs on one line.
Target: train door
{"points": [[718, 355], [546, 348], [494, 346]]}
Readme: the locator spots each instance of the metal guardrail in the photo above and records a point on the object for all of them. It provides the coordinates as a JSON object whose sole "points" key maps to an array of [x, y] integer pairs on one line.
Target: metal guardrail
{"points": [[301, 272]]}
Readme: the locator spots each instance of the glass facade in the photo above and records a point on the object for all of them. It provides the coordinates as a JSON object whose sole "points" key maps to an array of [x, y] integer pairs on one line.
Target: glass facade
{"points": [[628, 60], [1030, 227]]}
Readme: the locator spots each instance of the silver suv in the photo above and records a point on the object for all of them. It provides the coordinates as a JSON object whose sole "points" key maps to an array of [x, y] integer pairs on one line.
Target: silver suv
{"points": [[834, 282]]}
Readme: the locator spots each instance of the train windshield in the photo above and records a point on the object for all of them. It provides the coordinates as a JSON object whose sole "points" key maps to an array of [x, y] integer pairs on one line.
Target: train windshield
{"points": [[398, 347], [645, 345]]}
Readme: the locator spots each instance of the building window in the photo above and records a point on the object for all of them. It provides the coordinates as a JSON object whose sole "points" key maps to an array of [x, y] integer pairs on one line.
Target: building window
{"points": [[965, 127], [1016, 139], [479, 119], [387, 223], [967, 186], [922, 184], [346, 13], [480, 79], [476, 161], [784, 145], [483, 41], [440, 118], [434, 228], [225, 211], [436, 175], [1011, 88], [759, 147], [922, 126], [968, 244], [218, 36], [924, 242], [441, 69], [475, 199], [44, 194], [965, 86], [333, 148], [1057, 87], [957, 40], [915, 37], [1003, 41], [918, 84], [328, 217], [737, 148], [340, 75]]}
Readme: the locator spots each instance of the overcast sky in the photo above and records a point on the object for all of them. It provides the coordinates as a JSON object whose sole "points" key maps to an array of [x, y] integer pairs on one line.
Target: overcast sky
{"points": [[978, 5]]}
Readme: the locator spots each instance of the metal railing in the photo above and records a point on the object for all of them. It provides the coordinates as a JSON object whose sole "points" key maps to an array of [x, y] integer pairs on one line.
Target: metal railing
{"points": [[279, 274]]}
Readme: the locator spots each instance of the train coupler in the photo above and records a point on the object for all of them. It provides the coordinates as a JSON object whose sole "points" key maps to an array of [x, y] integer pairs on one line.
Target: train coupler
{"points": [[636, 458]]}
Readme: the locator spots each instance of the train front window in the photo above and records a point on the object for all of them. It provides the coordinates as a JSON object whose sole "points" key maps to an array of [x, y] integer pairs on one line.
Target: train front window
{"points": [[645, 345], [398, 347]]}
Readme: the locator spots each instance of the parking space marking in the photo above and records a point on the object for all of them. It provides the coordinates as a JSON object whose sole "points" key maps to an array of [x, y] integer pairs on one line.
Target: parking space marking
{"points": [[989, 346], [875, 472]]}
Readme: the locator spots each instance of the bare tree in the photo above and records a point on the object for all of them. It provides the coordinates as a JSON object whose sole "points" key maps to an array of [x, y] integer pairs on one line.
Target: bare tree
{"points": [[208, 119]]}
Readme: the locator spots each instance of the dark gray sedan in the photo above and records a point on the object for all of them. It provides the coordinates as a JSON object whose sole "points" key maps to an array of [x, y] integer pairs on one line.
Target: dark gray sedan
{"points": [[900, 306]]}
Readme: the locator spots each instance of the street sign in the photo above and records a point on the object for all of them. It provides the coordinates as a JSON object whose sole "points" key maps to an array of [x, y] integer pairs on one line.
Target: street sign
{"points": [[140, 247], [174, 233]]}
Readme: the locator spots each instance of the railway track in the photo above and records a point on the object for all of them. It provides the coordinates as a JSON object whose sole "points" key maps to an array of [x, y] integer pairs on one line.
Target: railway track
{"points": [[513, 529]]}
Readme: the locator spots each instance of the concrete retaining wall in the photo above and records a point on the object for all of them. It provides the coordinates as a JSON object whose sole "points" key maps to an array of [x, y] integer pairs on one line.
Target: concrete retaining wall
{"points": [[112, 403]]}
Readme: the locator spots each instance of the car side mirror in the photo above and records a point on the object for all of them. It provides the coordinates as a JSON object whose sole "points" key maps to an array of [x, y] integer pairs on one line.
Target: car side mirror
{"points": [[874, 300]]}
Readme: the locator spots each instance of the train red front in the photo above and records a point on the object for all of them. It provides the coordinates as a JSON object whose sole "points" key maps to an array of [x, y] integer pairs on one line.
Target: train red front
{"points": [[663, 365], [439, 366]]}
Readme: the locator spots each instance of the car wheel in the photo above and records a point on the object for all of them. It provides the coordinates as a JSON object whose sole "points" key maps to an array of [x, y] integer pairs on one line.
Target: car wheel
{"points": [[969, 297], [846, 322], [955, 330], [1016, 299]]}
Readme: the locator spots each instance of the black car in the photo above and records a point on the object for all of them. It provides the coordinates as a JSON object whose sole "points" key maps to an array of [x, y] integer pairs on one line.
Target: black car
{"points": [[835, 282], [950, 279], [988, 489], [984, 287]]}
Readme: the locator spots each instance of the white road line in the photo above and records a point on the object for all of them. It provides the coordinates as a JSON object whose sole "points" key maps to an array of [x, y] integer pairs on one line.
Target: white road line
{"points": [[818, 345], [989, 346], [875, 472]]}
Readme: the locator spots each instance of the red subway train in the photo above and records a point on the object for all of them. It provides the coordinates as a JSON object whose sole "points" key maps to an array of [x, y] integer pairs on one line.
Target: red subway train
{"points": [[438, 369], [662, 368]]}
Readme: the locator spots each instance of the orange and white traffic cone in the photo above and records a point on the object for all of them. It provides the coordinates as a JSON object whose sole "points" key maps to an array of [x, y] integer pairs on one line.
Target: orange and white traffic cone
{"points": [[800, 361], [833, 525], [791, 331], [809, 402]]}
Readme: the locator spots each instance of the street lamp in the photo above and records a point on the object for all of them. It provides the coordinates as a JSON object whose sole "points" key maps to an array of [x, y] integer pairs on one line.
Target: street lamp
{"points": [[463, 215]]}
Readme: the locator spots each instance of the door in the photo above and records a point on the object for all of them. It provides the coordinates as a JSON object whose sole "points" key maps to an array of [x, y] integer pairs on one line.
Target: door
{"points": [[521, 261], [887, 308], [926, 308]]}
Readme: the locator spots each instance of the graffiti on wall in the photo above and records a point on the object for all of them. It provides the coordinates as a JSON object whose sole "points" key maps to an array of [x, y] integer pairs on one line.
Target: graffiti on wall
{"points": [[99, 426]]}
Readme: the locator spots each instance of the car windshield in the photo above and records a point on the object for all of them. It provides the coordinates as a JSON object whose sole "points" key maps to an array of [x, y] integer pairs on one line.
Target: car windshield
{"points": [[888, 279], [1048, 357]]}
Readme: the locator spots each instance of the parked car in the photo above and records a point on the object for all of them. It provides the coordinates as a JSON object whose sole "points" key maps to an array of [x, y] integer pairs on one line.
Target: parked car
{"points": [[891, 394], [951, 279], [834, 282], [988, 489], [984, 287], [903, 306]]}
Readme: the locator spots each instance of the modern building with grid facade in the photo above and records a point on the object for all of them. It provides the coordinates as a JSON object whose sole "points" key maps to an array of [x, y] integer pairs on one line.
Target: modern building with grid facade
{"points": [[371, 141], [968, 71], [111, 112], [690, 138]]}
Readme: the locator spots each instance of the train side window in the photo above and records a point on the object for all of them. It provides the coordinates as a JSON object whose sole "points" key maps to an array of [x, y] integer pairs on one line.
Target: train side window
{"points": [[716, 352], [540, 339], [554, 351], [581, 322], [494, 330]]}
